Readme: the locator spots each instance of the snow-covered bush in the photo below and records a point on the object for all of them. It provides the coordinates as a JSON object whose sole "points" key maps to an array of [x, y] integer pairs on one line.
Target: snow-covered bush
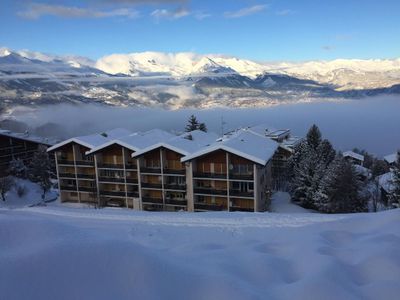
{"points": [[21, 190]]}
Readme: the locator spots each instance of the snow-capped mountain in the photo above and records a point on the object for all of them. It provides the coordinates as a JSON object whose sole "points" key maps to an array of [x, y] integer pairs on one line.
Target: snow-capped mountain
{"points": [[176, 80]]}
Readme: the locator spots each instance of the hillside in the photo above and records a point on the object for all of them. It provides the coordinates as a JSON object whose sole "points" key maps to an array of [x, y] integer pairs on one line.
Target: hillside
{"points": [[69, 252]]}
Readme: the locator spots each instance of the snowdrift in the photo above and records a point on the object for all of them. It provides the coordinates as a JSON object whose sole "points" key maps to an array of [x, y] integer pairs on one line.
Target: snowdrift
{"points": [[59, 252]]}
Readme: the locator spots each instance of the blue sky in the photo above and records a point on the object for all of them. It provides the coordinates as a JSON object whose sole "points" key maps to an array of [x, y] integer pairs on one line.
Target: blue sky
{"points": [[261, 30]]}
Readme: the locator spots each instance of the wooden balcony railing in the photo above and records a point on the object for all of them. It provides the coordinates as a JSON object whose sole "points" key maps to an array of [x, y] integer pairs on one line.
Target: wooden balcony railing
{"points": [[205, 206], [178, 187], [236, 193], [112, 193], [65, 162], [112, 179], [150, 170], [210, 191], [110, 166], [151, 185], [239, 176], [174, 171], [67, 175], [152, 200], [182, 202], [208, 175]]}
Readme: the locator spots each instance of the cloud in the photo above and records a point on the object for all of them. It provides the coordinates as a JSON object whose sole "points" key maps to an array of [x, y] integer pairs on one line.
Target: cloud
{"points": [[328, 47], [37, 10], [170, 14], [247, 11], [201, 15], [285, 12], [147, 1]]}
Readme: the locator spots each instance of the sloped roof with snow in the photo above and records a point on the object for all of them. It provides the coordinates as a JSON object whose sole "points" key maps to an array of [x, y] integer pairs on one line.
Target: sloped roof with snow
{"points": [[27, 137], [391, 158], [184, 144], [353, 155], [93, 140], [244, 143], [136, 141]]}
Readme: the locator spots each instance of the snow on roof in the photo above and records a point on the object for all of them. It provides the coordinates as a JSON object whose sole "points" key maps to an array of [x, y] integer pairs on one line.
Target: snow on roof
{"points": [[116, 133], [391, 158], [353, 155], [386, 181], [244, 143], [265, 130], [184, 144], [27, 137], [136, 141], [93, 140]]}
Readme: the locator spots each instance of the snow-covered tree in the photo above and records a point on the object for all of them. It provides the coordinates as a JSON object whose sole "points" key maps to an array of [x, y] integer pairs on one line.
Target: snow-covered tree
{"points": [[314, 137], [193, 124], [17, 168], [307, 166], [339, 191], [40, 170], [6, 183], [395, 194]]}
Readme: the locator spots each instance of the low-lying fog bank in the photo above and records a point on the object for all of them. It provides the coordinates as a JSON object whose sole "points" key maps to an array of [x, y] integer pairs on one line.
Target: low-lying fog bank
{"points": [[371, 123]]}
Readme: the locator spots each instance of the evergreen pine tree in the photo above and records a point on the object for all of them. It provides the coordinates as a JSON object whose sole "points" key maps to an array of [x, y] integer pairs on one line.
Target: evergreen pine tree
{"points": [[395, 194], [40, 170], [339, 191], [192, 124], [17, 168], [314, 137], [202, 127], [6, 183]]}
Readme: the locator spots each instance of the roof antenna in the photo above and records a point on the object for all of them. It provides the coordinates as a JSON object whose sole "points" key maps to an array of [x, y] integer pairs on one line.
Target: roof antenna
{"points": [[222, 126]]}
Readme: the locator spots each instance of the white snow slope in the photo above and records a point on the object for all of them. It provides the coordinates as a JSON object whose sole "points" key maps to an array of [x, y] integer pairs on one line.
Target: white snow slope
{"points": [[60, 252]]}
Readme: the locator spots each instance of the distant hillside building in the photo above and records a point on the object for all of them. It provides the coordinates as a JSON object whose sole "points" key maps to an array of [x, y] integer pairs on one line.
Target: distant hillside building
{"points": [[157, 170], [391, 159], [354, 158], [18, 146]]}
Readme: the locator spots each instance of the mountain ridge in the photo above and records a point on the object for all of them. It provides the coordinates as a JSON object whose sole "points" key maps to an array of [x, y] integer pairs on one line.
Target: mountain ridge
{"points": [[179, 80]]}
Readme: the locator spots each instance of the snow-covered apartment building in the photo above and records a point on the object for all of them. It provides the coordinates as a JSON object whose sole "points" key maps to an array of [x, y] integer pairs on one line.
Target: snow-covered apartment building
{"points": [[157, 170], [18, 146]]}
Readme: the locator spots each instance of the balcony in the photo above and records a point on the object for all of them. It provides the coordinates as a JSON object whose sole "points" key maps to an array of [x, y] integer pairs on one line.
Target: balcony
{"points": [[86, 176], [152, 200], [179, 202], [175, 187], [87, 189], [71, 188], [129, 166], [151, 185], [133, 194], [210, 191], [241, 176], [209, 175], [205, 206], [132, 180], [67, 175], [112, 179], [113, 193], [85, 163], [65, 162], [174, 171], [150, 170], [236, 193], [110, 166]]}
